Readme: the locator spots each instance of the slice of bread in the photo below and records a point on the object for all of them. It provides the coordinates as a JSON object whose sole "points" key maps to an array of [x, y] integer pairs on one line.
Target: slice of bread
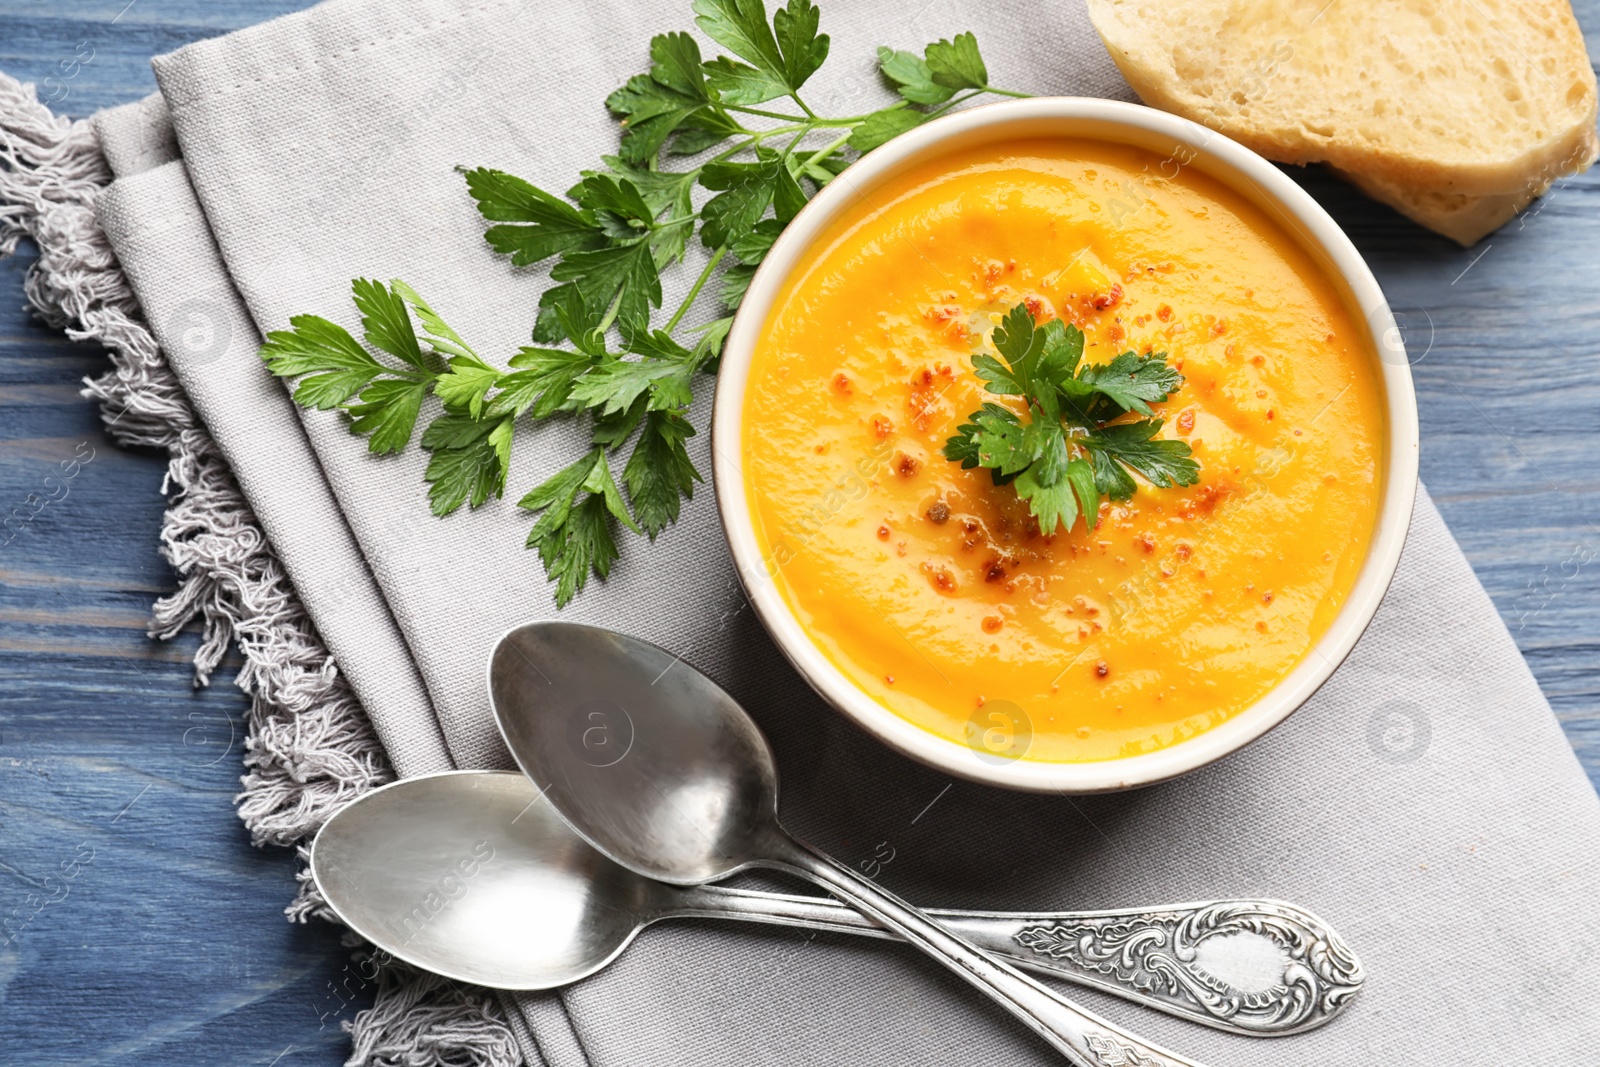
{"points": [[1456, 112]]}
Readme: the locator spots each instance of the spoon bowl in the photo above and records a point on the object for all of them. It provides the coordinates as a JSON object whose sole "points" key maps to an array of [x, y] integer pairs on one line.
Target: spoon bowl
{"points": [[472, 876], [656, 766]]}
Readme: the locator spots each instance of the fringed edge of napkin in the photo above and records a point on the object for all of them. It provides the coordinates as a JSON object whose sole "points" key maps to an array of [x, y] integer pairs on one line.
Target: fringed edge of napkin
{"points": [[309, 748]]}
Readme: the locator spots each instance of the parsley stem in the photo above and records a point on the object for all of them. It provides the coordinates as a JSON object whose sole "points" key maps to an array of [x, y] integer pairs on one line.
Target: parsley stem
{"points": [[658, 226], [755, 139], [803, 105], [763, 114], [829, 149], [791, 128], [611, 312], [694, 291], [856, 120], [812, 166], [794, 142], [954, 102], [940, 110]]}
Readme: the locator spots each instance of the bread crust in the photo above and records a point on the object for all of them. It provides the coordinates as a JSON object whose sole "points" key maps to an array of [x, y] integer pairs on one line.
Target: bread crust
{"points": [[1464, 219]]}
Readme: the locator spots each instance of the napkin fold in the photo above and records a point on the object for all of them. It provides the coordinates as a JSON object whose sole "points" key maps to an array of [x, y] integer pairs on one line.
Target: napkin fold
{"points": [[166, 249], [1425, 801]]}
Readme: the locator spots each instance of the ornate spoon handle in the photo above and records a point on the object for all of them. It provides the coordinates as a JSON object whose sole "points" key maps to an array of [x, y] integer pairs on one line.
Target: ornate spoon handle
{"points": [[1262, 968]]}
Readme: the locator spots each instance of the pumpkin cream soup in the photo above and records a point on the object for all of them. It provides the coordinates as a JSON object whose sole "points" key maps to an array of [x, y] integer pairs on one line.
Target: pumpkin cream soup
{"points": [[932, 587]]}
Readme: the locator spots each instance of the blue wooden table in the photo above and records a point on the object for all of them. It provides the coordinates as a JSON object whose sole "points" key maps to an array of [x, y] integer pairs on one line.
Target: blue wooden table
{"points": [[166, 944]]}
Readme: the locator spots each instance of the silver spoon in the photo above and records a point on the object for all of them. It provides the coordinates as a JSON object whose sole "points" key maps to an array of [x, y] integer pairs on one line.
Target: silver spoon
{"points": [[470, 875], [683, 789]]}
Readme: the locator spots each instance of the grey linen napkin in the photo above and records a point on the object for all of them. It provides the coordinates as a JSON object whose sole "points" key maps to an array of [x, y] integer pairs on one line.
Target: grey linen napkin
{"points": [[136, 137], [1460, 856], [211, 343]]}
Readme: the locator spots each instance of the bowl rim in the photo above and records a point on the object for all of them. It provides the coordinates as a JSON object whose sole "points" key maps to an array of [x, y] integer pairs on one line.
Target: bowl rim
{"points": [[1225, 161]]}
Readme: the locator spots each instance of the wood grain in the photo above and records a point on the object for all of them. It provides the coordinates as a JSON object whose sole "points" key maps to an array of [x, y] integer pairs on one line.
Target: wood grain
{"points": [[167, 945]]}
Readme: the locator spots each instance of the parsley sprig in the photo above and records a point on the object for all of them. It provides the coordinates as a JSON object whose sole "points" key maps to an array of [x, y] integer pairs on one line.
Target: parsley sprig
{"points": [[596, 353], [1076, 445]]}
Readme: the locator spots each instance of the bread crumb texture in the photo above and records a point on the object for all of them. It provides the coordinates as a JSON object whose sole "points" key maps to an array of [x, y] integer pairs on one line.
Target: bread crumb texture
{"points": [[1457, 114]]}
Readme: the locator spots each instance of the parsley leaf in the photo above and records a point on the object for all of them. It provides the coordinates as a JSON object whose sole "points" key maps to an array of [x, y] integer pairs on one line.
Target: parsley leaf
{"points": [[574, 536], [881, 126], [386, 321], [787, 196], [747, 190], [545, 225], [660, 472], [1001, 442], [386, 411], [930, 81], [752, 245], [911, 77], [741, 84], [614, 386], [1135, 445], [382, 401], [741, 27], [660, 188], [668, 197], [1086, 489], [469, 460], [467, 379], [1016, 340], [439, 334], [466, 384], [1052, 505], [673, 98], [676, 65], [734, 283], [335, 365], [1133, 382], [1066, 456], [804, 49], [782, 56], [956, 64], [614, 429], [540, 381], [625, 274], [617, 205]]}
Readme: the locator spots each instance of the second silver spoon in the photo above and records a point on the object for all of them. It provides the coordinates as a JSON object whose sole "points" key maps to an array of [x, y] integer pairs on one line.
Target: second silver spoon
{"points": [[469, 874]]}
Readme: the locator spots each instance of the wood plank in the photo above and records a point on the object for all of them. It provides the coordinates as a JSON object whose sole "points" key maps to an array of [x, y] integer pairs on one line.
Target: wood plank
{"points": [[168, 945]]}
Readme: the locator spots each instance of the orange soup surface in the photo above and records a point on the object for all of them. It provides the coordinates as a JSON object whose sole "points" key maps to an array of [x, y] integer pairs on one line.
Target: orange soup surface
{"points": [[933, 589]]}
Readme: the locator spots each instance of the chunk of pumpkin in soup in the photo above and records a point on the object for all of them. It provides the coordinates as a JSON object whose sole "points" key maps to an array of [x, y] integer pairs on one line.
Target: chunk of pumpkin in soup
{"points": [[933, 589]]}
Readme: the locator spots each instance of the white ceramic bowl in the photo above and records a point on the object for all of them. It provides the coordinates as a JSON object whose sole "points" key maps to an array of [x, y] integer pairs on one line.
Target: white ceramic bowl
{"points": [[1224, 160]]}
